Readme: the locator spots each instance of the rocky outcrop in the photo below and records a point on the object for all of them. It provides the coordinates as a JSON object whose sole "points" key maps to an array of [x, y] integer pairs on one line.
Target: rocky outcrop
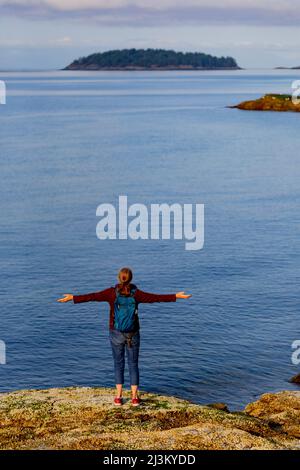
{"points": [[295, 379], [282, 409], [270, 102], [85, 418]]}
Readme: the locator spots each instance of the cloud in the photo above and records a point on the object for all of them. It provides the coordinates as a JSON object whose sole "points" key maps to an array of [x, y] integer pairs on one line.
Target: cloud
{"points": [[61, 41], [157, 12]]}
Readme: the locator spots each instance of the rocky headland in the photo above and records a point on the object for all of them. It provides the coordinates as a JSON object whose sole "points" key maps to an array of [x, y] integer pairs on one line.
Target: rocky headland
{"points": [[269, 102], [85, 418]]}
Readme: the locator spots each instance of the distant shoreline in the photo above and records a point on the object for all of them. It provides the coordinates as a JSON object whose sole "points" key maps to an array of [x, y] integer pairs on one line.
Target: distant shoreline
{"points": [[145, 69], [244, 69], [287, 68]]}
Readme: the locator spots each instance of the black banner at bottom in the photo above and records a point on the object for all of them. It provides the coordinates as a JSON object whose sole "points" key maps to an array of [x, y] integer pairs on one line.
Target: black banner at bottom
{"points": [[153, 459]]}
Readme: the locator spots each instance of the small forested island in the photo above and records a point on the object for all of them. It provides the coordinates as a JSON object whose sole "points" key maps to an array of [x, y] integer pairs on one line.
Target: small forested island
{"points": [[152, 59], [269, 102]]}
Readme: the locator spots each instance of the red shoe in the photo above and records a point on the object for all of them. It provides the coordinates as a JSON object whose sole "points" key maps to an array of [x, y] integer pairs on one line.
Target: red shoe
{"points": [[118, 401], [135, 401]]}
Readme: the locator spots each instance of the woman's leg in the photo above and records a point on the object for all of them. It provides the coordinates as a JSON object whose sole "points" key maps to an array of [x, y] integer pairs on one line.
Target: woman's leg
{"points": [[133, 363], [134, 391], [119, 388], [118, 349]]}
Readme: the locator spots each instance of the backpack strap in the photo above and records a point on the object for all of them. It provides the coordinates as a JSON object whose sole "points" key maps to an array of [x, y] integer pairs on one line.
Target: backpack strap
{"points": [[133, 291]]}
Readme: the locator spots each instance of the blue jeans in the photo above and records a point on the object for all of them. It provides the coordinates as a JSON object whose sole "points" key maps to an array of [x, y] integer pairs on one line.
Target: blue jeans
{"points": [[119, 344]]}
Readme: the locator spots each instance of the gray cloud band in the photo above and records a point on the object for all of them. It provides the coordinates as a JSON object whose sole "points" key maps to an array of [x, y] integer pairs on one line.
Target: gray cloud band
{"points": [[133, 15]]}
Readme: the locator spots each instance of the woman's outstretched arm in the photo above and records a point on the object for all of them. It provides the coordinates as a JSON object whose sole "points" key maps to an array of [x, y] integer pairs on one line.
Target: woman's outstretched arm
{"points": [[102, 296], [147, 298]]}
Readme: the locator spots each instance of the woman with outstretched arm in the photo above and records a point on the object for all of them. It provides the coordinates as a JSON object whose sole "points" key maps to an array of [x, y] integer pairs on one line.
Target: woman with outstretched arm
{"points": [[123, 300]]}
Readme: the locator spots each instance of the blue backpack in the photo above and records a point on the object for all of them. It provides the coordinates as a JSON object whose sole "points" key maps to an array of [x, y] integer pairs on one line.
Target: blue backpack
{"points": [[125, 311]]}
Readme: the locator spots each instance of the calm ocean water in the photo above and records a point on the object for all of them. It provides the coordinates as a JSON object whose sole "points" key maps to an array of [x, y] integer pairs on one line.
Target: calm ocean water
{"points": [[70, 141]]}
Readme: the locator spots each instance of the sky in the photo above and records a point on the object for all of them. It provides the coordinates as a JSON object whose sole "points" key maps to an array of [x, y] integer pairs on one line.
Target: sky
{"points": [[49, 34]]}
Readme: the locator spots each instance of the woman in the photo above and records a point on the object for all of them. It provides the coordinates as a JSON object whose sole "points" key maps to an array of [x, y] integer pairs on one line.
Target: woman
{"points": [[123, 300]]}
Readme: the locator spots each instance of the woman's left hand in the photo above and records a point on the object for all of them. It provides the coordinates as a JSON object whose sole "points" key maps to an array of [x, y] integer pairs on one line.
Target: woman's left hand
{"points": [[182, 295], [66, 298]]}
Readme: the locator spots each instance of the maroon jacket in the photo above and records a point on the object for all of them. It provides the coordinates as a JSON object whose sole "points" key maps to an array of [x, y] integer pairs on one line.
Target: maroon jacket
{"points": [[109, 295]]}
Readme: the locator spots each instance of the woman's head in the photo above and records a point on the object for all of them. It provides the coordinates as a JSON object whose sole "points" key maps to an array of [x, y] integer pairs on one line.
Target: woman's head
{"points": [[125, 276]]}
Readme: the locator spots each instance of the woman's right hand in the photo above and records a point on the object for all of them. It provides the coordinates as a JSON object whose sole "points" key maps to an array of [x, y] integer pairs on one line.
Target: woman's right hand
{"points": [[66, 298], [183, 295]]}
